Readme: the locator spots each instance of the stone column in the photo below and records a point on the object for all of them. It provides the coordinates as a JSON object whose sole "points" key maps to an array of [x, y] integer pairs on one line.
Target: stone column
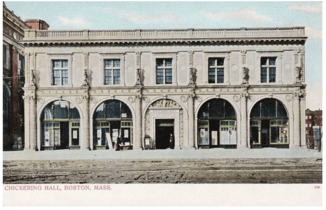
{"points": [[86, 144], [242, 141], [138, 140], [32, 123], [191, 141], [296, 121], [26, 123]]}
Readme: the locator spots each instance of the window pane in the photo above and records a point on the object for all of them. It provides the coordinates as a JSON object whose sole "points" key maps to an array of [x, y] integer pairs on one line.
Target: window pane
{"points": [[272, 61], [64, 77], [159, 76], [116, 76], [220, 75], [159, 62], [272, 74], [64, 64], [211, 61], [211, 76], [56, 77], [263, 75], [113, 109], [108, 63], [108, 79], [56, 64], [168, 62], [168, 76], [263, 61], [60, 110], [220, 61], [116, 63]]}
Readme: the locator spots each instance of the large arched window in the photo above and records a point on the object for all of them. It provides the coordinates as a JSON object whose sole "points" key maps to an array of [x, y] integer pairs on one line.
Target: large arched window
{"points": [[269, 124], [60, 126], [217, 124], [112, 126]]}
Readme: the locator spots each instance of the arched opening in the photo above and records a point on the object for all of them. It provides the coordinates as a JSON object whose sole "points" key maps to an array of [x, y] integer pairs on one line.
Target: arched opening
{"points": [[113, 127], [217, 125], [164, 126], [60, 124], [269, 124]]}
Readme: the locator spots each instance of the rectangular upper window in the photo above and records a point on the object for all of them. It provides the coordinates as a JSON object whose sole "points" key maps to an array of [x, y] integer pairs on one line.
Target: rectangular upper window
{"points": [[59, 72], [112, 72], [164, 71], [268, 70], [216, 70]]}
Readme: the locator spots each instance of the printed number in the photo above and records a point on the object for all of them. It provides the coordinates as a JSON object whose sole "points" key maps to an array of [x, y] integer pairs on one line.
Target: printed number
{"points": [[317, 187]]}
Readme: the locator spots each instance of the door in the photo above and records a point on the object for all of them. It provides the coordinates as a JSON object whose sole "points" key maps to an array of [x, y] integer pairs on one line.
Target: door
{"points": [[214, 129], [75, 136], [164, 132], [265, 133], [64, 130]]}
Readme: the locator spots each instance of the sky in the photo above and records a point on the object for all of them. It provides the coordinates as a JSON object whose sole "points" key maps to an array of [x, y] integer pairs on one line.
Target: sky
{"points": [[193, 14]]}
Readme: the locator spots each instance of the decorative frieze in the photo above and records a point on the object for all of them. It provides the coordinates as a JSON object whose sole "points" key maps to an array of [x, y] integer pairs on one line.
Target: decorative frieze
{"points": [[164, 103]]}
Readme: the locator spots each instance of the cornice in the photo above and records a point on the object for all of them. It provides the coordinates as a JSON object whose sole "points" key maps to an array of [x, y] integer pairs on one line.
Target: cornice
{"points": [[10, 15], [168, 42]]}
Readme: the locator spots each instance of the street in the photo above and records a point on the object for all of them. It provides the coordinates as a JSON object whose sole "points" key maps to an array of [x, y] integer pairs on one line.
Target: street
{"points": [[222, 170]]}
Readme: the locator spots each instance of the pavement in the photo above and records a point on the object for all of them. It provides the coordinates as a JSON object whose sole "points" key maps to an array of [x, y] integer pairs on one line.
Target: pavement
{"points": [[218, 153]]}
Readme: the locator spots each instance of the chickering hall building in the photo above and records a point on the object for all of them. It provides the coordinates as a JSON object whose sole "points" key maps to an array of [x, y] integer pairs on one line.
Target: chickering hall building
{"points": [[159, 89]]}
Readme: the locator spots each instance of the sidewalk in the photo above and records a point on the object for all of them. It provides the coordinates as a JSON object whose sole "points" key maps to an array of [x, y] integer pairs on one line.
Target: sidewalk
{"points": [[219, 153]]}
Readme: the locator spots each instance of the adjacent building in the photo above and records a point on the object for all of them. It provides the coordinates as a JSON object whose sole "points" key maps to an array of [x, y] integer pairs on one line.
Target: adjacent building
{"points": [[313, 118], [14, 78], [181, 88]]}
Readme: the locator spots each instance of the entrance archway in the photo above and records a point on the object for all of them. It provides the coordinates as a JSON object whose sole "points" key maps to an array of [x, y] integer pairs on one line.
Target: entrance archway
{"points": [[60, 123], [164, 126], [113, 127], [217, 125], [269, 124]]}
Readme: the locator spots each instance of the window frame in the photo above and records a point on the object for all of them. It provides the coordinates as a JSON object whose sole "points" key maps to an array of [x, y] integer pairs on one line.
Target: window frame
{"points": [[164, 68], [57, 56], [61, 69], [112, 56], [112, 69], [268, 66], [216, 67]]}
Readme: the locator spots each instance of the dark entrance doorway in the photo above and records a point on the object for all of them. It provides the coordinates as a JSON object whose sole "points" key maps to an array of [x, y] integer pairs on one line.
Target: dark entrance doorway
{"points": [[265, 133], [214, 127], [64, 127], [164, 132]]}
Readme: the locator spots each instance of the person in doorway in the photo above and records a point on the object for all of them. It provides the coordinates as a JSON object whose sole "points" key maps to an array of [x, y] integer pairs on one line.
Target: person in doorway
{"points": [[171, 141]]}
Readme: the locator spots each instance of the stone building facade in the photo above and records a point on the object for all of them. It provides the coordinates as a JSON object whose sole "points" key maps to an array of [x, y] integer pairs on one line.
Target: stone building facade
{"points": [[180, 89]]}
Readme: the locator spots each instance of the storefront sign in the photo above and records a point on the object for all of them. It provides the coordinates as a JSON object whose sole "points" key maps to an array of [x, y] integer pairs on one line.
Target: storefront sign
{"points": [[202, 132], [115, 134], [126, 133], [99, 133], [74, 134]]}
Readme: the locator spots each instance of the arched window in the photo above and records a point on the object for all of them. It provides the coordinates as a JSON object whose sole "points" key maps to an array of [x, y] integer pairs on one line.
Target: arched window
{"points": [[217, 124], [269, 124], [60, 126], [112, 126]]}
